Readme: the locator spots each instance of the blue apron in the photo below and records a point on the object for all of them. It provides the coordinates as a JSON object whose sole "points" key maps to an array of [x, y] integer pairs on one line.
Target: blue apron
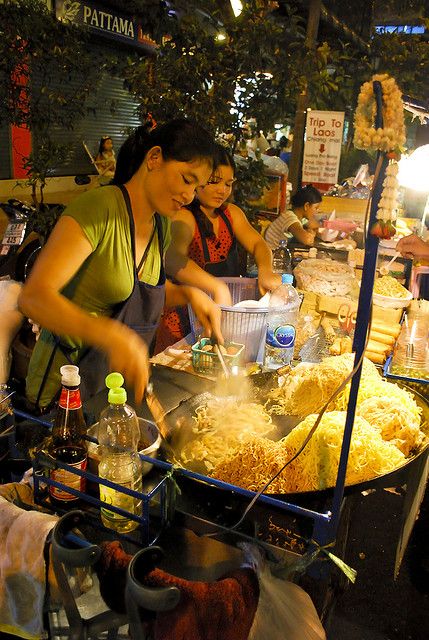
{"points": [[141, 311]]}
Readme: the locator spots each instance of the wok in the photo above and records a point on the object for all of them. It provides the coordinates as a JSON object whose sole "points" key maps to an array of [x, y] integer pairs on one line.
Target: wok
{"points": [[180, 425]]}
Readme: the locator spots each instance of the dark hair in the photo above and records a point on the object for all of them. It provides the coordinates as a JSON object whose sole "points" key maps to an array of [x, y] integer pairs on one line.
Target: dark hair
{"points": [[306, 194], [182, 140], [221, 158], [103, 139], [283, 141]]}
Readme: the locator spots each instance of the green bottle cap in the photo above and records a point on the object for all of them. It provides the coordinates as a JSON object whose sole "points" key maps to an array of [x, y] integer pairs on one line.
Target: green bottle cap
{"points": [[114, 380], [117, 396]]}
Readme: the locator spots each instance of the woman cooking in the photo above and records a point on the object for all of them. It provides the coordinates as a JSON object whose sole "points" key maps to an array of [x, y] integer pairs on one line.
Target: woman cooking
{"points": [[205, 237], [98, 287]]}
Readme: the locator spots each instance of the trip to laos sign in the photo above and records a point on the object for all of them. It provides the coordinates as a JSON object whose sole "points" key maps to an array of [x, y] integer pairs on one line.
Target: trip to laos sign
{"points": [[322, 148], [105, 22]]}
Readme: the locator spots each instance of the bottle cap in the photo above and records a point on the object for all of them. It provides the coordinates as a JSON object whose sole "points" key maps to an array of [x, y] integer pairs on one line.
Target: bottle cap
{"points": [[114, 380], [70, 375], [287, 278], [117, 396]]}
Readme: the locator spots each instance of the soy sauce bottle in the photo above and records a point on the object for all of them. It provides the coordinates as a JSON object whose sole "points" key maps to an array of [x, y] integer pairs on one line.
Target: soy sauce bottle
{"points": [[68, 444]]}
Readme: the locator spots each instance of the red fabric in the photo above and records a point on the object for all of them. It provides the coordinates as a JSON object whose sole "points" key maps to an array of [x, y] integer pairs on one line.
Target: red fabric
{"points": [[219, 246], [221, 610], [175, 322], [21, 142]]}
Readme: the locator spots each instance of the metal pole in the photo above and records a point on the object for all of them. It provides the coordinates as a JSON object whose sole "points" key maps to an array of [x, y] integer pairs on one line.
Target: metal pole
{"points": [[362, 322], [314, 11]]}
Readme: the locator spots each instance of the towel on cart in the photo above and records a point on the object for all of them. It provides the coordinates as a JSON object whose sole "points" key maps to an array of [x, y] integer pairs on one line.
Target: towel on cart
{"points": [[220, 610], [22, 564]]}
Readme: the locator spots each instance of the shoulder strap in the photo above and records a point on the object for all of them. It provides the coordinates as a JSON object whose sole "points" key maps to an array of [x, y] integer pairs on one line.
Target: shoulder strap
{"points": [[157, 227], [146, 251], [227, 223], [204, 245], [131, 219]]}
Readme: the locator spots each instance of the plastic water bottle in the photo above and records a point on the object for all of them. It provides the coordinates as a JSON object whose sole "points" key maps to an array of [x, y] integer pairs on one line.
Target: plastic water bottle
{"points": [[282, 258], [119, 435], [282, 319]]}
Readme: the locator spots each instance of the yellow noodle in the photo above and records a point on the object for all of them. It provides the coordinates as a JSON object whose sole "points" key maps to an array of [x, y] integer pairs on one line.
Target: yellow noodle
{"points": [[316, 466], [308, 387], [397, 418], [221, 426], [389, 286]]}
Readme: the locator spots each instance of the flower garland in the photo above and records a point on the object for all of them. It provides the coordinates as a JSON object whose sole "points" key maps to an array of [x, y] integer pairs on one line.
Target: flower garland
{"points": [[392, 136], [388, 139]]}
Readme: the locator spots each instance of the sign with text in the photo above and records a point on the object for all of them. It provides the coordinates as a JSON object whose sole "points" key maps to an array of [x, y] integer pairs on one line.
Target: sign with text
{"points": [[105, 21], [322, 148]]}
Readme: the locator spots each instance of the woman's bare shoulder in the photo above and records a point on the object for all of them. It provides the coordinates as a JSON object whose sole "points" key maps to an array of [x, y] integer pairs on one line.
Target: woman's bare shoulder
{"points": [[184, 215]]}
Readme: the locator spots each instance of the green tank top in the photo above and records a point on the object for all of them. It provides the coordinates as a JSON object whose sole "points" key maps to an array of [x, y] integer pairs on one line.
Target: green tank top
{"points": [[104, 280]]}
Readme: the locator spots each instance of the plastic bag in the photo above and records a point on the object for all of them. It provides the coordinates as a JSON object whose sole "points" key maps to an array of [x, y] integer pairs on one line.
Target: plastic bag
{"points": [[274, 164], [285, 611]]}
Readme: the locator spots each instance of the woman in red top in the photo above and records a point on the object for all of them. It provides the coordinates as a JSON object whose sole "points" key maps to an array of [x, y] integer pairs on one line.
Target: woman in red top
{"points": [[204, 244]]}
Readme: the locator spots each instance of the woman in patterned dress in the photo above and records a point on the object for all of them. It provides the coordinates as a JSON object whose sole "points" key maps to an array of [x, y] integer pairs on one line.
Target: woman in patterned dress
{"points": [[205, 235]]}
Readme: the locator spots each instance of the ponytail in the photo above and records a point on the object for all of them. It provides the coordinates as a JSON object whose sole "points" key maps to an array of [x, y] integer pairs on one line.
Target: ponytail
{"points": [[181, 140]]}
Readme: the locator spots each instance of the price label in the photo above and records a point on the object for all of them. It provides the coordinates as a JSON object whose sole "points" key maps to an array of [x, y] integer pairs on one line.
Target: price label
{"points": [[14, 233], [12, 239]]}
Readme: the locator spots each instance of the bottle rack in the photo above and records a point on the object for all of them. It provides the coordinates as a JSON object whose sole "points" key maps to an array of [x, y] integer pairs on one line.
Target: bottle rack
{"points": [[157, 503]]}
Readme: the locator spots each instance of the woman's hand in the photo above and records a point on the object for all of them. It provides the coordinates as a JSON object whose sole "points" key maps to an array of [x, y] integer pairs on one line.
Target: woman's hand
{"points": [[128, 354], [207, 312], [413, 247], [268, 281]]}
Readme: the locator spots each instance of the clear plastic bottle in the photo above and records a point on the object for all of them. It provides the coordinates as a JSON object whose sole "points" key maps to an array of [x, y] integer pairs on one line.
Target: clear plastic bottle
{"points": [[282, 319], [119, 435], [281, 258]]}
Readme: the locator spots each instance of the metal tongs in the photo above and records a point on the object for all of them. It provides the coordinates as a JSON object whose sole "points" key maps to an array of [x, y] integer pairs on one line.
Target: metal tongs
{"points": [[158, 415], [225, 367]]}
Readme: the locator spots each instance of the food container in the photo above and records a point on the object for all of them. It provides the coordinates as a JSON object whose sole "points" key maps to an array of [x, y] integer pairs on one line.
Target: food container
{"points": [[325, 277], [391, 303], [208, 362], [149, 433], [245, 325]]}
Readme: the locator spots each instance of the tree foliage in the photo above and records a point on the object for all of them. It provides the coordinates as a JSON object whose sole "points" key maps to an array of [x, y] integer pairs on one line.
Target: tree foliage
{"points": [[257, 69], [36, 50], [406, 58]]}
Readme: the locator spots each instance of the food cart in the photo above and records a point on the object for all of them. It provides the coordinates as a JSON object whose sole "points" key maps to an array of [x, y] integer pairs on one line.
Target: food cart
{"points": [[285, 526]]}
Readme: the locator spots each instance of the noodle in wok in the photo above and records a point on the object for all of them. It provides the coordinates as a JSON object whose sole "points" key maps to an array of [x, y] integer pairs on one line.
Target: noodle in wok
{"points": [[317, 465], [221, 427]]}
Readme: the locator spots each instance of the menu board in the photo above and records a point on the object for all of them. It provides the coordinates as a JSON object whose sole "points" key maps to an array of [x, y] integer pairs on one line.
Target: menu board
{"points": [[322, 148]]}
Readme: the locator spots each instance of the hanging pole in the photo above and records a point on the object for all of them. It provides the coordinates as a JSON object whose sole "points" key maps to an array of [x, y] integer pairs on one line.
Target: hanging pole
{"points": [[363, 317]]}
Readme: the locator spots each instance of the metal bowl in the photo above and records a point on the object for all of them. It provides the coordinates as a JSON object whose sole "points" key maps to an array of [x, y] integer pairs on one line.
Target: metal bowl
{"points": [[148, 432]]}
